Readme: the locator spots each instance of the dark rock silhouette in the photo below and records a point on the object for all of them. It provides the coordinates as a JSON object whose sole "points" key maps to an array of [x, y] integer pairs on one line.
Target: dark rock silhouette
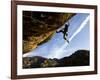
{"points": [[78, 58]]}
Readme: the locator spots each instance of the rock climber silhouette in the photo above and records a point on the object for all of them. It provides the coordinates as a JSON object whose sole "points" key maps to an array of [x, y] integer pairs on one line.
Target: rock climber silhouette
{"points": [[64, 31]]}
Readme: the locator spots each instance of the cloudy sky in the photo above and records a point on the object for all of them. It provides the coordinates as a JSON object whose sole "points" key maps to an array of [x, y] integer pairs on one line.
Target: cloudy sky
{"points": [[57, 47]]}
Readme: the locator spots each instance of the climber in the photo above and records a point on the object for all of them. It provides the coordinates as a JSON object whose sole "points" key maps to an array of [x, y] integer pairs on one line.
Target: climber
{"points": [[64, 31]]}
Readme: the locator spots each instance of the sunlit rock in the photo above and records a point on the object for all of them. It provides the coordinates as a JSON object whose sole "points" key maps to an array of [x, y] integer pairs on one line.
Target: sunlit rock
{"points": [[39, 27]]}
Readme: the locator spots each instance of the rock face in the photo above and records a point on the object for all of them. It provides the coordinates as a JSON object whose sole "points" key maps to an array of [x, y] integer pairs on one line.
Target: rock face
{"points": [[38, 27], [78, 58]]}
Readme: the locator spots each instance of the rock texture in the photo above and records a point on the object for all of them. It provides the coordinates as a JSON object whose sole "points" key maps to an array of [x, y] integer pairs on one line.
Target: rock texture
{"points": [[78, 58], [38, 27]]}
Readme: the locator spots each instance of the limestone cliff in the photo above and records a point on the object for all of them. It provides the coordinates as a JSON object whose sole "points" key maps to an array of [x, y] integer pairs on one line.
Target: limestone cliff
{"points": [[38, 27]]}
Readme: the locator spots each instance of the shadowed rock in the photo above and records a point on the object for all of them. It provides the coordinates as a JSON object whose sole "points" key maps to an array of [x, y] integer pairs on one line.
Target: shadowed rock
{"points": [[78, 58]]}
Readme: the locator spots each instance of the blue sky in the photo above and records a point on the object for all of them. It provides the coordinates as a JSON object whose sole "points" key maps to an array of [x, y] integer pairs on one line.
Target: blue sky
{"points": [[52, 49]]}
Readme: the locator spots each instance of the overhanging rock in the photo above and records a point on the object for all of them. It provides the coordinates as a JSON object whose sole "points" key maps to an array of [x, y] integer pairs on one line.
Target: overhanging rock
{"points": [[38, 27]]}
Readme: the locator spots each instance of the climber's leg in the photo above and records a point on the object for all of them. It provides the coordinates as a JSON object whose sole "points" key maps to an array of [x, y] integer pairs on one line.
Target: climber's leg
{"points": [[64, 36]]}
